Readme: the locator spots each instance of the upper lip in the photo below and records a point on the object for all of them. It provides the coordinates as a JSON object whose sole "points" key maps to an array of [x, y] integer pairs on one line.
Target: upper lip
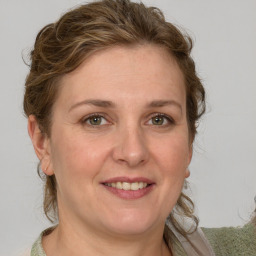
{"points": [[128, 179]]}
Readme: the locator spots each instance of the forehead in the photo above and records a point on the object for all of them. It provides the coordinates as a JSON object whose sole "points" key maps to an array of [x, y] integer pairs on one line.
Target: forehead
{"points": [[138, 73]]}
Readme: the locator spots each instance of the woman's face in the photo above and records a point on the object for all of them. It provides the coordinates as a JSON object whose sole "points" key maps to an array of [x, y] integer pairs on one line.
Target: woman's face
{"points": [[119, 144]]}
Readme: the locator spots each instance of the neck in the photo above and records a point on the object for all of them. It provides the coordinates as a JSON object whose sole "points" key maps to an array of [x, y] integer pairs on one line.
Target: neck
{"points": [[74, 240]]}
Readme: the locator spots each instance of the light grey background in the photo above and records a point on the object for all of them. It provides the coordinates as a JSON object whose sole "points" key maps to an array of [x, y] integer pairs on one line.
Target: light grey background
{"points": [[223, 170]]}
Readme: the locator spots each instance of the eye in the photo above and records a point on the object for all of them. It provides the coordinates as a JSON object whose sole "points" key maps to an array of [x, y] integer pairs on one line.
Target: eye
{"points": [[160, 120], [95, 120]]}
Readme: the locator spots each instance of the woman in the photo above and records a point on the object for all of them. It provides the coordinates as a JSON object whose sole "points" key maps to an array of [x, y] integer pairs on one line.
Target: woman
{"points": [[112, 100]]}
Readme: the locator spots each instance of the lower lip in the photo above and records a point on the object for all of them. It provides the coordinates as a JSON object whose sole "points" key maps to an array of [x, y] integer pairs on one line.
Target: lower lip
{"points": [[130, 194]]}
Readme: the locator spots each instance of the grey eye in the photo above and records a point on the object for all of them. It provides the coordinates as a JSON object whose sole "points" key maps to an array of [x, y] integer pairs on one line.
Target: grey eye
{"points": [[158, 120], [95, 120]]}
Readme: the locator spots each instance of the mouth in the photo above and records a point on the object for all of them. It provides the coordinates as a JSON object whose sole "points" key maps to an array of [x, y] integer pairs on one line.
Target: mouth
{"points": [[129, 188], [134, 186]]}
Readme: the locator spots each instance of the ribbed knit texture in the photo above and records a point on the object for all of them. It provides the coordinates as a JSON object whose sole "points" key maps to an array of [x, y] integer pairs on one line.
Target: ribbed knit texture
{"points": [[232, 241], [37, 248]]}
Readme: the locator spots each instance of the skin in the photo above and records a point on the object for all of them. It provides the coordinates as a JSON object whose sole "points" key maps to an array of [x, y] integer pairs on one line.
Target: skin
{"points": [[142, 84]]}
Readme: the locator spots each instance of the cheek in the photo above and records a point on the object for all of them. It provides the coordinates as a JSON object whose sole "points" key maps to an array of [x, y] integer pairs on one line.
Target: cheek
{"points": [[77, 163], [77, 156], [173, 166], [172, 157], [173, 154]]}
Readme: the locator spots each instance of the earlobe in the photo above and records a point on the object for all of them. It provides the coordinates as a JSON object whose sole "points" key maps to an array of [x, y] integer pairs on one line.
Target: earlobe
{"points": [[41, 145], [187, 173], [46, 165]]}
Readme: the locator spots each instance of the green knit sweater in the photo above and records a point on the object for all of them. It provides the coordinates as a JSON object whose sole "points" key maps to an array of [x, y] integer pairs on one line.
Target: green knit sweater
{"points": [[224, 241], [232, 241]]}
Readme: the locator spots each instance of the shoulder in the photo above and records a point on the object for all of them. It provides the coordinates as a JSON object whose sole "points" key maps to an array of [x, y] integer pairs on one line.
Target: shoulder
{"points": [[193, 244], [37, 248], [232, 240]]}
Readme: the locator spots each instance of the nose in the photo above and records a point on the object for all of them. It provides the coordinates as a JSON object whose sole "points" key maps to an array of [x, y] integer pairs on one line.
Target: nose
{"points": [[131, 147]]}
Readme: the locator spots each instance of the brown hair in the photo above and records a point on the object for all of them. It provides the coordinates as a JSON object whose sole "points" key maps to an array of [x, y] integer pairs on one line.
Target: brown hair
{"points": [[62, 46]]}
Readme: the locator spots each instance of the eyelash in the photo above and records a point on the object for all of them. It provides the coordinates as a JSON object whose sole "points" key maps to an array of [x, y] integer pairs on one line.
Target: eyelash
{"points": [[169, 119], [95, 115]]}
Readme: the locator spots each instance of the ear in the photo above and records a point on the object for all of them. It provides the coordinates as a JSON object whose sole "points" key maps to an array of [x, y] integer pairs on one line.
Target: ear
{"points": [[190, 154], [187, 173], [41, 145]]}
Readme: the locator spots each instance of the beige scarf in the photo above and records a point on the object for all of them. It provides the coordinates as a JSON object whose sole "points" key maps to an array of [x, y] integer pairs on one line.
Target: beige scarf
{"points": [[195, 244]]}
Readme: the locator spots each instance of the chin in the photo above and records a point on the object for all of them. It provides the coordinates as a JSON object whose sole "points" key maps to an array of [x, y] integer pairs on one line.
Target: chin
{"points": [[131, 224]]}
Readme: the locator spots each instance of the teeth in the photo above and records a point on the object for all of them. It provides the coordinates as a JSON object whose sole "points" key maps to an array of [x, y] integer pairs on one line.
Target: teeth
{"points": [[127, 186], [135, 186], [119, 185]]}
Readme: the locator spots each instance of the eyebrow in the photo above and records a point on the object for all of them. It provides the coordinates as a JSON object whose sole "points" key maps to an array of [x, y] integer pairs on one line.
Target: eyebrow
{"points": [[97, 103], [163, 103], [110, 104]]}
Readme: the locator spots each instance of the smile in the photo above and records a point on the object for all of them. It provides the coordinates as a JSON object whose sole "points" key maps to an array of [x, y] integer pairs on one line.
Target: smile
{"points": [[127, 185]]}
